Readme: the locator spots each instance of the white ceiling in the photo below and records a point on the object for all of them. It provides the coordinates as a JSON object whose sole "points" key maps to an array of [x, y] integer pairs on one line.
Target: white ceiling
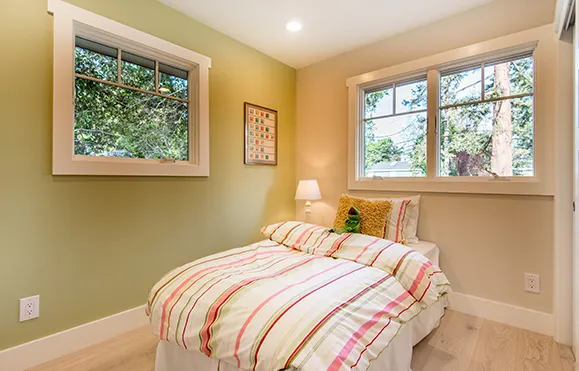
{"points": [[330, 27]]}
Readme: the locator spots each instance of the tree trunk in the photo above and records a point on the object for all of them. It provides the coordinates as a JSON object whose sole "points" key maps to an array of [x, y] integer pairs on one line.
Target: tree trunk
{"points": [[462, 164], [502, 153]]}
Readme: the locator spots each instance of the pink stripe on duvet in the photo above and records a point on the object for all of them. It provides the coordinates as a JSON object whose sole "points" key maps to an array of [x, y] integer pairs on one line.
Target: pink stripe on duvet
{"points": [[419, 277], [200, 296], [260, 306], [378, 335], [349, 346], [381, 251], [312, 228], [165, 317], [366, 248], [212, 313], [337, 244], [295, 303], [320, 244], [323, 320]]}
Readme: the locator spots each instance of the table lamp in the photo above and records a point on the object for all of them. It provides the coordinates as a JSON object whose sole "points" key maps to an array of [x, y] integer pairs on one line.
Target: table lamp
{"points": [[308, 190]]}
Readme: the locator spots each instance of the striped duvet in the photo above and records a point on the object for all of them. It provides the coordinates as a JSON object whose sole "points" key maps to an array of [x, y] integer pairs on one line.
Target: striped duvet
{"points": [[302, 299]]}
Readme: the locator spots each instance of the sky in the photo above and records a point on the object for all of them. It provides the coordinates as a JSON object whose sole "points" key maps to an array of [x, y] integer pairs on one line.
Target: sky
{"points": [[393, 127]]}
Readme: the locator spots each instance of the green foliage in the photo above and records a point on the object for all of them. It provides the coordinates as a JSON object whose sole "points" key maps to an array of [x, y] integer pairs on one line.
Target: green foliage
{"points": [[137, 76], [119, 122], [466, 132], [96, 65], [380, 151], [372, 101], [415, 132]]}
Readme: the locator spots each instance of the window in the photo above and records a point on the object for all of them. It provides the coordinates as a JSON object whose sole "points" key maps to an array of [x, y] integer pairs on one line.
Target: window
{"points": [[139, 104], [140, 110], [485, 116], [395, 130], [462, 121], [486, 120]]}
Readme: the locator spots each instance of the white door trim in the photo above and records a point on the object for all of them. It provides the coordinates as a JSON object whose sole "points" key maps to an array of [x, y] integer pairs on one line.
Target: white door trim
{"points": [[563, 201]]}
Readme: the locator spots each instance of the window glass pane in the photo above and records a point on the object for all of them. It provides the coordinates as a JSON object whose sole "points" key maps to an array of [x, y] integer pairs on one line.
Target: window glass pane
{"points": [[411, 97], [379, 103], [396, 146], [93, 64], [510, 78], [118, 122], [461, 87], [173, 81], [137, 71], [485, 138]]}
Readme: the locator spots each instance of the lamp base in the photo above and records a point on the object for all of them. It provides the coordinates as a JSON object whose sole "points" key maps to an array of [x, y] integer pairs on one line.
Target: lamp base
{"points": [[308, 211]]}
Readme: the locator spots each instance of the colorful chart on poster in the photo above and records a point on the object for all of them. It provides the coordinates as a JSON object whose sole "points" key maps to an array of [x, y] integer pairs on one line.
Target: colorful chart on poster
{"points": [[260, 135]]}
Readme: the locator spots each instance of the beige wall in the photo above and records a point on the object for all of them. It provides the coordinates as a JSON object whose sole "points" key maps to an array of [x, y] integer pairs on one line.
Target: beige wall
{"points": [[93, 246], [487, 242]]}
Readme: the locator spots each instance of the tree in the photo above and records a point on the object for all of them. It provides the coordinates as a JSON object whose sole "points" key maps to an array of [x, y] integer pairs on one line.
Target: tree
{"points": [[502, 150], [482, 138], [383, 150], [377, 150], [372, 101], [115, 121]]}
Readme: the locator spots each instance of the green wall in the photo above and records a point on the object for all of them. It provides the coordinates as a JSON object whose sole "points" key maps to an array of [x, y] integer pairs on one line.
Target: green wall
{"points": [[93, 246]]}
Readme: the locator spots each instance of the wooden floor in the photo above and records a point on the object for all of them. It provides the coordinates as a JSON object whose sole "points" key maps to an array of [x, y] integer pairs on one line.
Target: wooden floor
{"points": [[461, 343]]}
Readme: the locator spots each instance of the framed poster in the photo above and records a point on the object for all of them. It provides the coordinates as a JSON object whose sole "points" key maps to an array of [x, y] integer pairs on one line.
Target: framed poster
{"points": [[260, 135]]}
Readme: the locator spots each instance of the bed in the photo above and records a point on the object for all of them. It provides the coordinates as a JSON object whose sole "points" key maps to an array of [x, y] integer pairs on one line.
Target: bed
{"points": [[302, 299], [429, 249]]}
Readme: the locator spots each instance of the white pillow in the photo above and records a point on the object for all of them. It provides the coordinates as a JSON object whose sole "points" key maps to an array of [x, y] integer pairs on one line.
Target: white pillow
{"points": [[413, 213]]}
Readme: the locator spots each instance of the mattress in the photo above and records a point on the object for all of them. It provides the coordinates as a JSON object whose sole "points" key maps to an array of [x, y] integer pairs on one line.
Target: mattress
{"points": [[397, 356], [428, 249]]}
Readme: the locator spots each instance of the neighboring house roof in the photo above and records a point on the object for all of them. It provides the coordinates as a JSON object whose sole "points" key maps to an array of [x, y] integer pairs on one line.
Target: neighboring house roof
{"points": [[394, 165]]}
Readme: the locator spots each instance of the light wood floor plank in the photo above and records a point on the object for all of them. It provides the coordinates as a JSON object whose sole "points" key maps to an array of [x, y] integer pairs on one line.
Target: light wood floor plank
{"points": [[134, 351], [496, 349], [567, 358], [537, 352], [461, 343], [423, 350], [454, 343]]}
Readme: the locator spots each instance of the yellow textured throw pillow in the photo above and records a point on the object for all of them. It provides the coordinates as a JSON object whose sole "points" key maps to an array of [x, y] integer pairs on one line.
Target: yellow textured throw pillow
{"points": [[373, 214]]}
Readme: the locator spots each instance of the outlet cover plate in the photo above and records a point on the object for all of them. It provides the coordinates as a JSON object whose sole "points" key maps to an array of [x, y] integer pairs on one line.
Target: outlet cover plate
{"points": [[29, 308], [532, 283]]}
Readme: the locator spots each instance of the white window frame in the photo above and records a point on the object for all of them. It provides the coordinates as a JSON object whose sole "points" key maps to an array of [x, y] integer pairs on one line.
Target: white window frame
{"points": [[71, 21], [536, 40]]}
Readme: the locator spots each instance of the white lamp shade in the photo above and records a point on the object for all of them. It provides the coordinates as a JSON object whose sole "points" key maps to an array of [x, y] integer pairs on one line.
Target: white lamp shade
{"points": [[308, 190]]}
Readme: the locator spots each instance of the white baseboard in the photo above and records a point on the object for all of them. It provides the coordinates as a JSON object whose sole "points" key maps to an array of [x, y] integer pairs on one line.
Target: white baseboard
{"points": [[512, 315], [42, 350]]}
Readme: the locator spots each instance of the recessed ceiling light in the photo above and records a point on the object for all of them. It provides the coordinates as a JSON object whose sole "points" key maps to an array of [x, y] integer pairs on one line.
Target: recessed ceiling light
{"points": [[293, 26]]}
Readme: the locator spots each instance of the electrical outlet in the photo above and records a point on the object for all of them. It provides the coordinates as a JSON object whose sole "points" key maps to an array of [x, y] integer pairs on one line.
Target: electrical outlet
{"points": [[532, 283], [29, 308]]}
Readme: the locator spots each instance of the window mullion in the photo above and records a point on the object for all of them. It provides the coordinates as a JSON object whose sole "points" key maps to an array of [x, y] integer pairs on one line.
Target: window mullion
{"points": [[482, 83], [361, 133], [119, 61], [432, 139], [156, 76], [393, 99]]}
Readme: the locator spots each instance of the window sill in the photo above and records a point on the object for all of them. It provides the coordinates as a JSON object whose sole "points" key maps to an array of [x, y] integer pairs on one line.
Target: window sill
{"points": [[85, 165], [514, 186]]}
